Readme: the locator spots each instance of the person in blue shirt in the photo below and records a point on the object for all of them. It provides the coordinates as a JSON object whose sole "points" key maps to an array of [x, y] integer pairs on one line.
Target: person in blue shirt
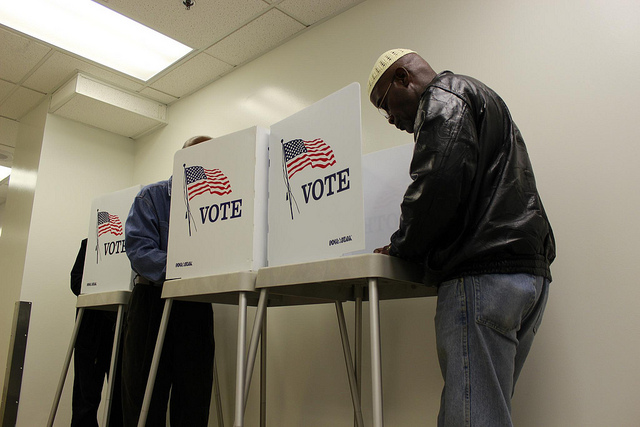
{"points": [[186, 365]]}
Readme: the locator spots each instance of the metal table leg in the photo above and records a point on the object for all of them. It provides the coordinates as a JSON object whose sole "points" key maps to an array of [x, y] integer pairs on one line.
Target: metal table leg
{"points": [[259, 328], [155, 362], [65, 368], [240, 363], [358, 345], [115, 350], [263, 372], [355, 397], [376, 364], [216, 390], [253, 345]]}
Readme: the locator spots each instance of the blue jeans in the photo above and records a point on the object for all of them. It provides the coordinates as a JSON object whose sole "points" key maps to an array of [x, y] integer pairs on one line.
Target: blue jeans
{"points": [[485, 326]]}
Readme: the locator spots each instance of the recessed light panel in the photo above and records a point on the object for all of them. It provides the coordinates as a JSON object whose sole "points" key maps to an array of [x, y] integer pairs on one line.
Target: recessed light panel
{"points": [[95, 32]]}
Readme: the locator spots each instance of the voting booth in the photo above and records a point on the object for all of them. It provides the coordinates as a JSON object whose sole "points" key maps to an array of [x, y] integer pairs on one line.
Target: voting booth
{"points": [[106, 266], [107, 279], [218, 216], [315, 181]]}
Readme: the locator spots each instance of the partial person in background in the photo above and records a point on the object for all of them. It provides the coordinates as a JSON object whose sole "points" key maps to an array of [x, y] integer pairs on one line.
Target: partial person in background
{"points": [[186, 363], [92, 359], [473, 218]]}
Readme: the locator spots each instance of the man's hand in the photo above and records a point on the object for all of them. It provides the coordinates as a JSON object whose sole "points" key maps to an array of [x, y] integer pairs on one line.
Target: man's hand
{"points": [[383, 250]]}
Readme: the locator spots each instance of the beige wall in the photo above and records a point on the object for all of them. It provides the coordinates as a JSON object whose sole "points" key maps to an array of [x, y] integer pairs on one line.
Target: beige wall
{"points": [[568, 72]]}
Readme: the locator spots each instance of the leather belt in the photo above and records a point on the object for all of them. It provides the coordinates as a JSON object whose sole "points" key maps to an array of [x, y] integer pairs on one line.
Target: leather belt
{"points": [[139, 280]]}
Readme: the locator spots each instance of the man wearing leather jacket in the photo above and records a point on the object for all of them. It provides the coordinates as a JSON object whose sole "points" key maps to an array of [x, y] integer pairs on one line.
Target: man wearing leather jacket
{"points": [[474, 219]]}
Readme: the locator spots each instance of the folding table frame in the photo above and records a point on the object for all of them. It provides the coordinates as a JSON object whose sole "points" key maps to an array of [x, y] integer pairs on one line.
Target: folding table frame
{"points": [[109, 301], [371, 277], [232, 288]]}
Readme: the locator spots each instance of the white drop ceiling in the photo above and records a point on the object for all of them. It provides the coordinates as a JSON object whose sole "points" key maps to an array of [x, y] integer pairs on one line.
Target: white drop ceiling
{"points": [[223, 33]]}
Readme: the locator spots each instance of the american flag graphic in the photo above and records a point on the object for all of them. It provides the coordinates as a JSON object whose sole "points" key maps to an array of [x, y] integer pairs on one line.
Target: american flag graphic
{"points": [[108, 223], [299, 154], [200, 180]]}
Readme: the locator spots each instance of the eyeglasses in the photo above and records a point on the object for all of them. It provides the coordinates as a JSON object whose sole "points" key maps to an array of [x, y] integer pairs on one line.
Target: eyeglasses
{"points": [[381, 110]]}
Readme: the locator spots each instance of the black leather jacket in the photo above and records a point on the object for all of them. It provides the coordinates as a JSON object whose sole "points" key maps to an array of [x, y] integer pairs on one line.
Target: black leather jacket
{"points": [[473, 207]]}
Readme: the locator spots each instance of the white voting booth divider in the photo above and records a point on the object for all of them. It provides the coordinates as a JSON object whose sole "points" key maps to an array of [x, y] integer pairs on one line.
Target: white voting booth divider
{"points": [[106, 266], [311, 171], [329, 204], [385, 175], [315, 181], [218, 216]]}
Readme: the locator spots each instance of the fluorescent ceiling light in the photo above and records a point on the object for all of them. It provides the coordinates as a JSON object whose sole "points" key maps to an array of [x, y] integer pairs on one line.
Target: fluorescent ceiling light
{"points": [[94, 32], [4, 172]]}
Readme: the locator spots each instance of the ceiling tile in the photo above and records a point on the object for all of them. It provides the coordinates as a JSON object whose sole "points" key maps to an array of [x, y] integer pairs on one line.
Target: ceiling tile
{"points": [[205, 23], [60, 67], [258, 36], [20, 102], [158, 96], [191, 75], [312, 11], [5, 88], [23, 52]]}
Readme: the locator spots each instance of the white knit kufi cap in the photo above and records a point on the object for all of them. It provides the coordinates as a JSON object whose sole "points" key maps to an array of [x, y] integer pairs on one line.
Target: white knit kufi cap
{"points": [[383, 63]]}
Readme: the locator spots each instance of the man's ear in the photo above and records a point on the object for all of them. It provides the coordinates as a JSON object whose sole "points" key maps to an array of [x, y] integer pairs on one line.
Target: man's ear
{"points": [[403, 76]]}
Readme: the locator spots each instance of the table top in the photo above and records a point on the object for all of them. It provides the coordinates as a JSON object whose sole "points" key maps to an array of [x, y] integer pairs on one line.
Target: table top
{"points": [[108, 301], [340, 278], [225, 289], [219, 288], [317, 282]]}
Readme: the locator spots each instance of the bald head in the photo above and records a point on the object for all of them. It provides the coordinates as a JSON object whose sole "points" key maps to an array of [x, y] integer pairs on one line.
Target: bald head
{"points": [[195, 140], [399, 87]]}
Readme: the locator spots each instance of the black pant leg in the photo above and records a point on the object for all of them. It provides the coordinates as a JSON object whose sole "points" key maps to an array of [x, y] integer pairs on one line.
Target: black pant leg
{"points": [[88, 373], [141, 331], [108, 324], [193, 349]]}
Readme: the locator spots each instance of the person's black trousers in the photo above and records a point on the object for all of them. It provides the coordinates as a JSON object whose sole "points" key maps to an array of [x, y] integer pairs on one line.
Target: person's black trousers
{"points": [[186, 364], [91, 363]]}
